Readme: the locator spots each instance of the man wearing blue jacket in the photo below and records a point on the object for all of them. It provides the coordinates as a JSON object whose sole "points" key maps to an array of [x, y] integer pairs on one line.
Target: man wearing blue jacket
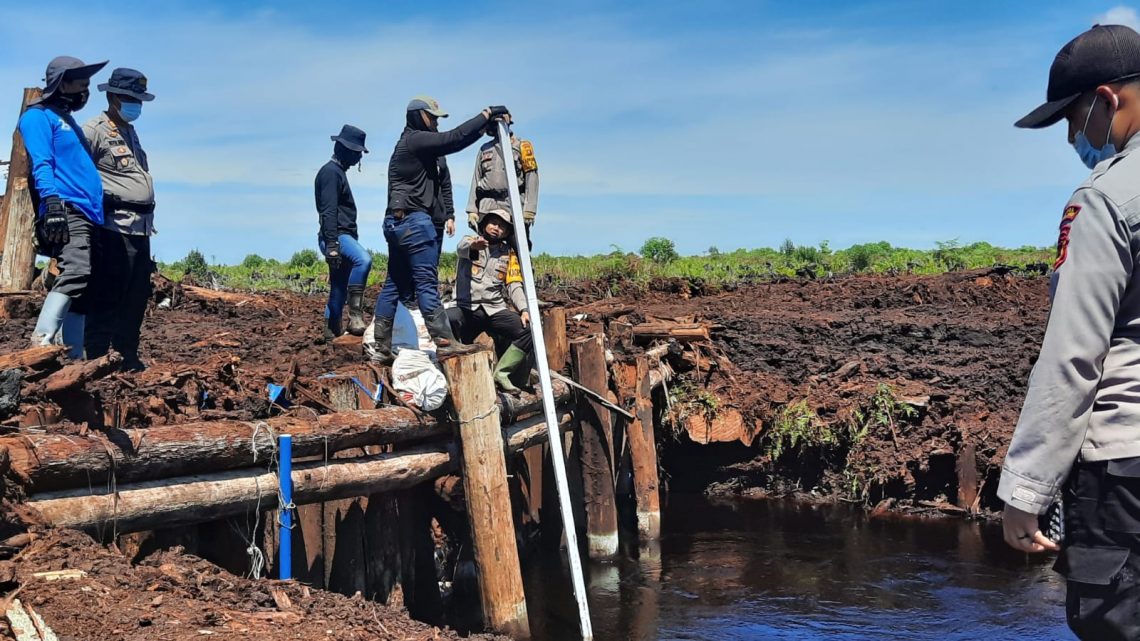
{"points": [[68, 196]]}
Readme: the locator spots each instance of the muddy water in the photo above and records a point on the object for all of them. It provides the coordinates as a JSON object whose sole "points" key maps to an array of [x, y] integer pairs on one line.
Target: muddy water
{"points": [[772, 570]]}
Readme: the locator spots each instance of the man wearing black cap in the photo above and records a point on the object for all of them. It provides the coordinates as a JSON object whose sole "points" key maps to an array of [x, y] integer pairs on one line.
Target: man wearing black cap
{"points": [[419, 194], [120, 288], [1079, 431], [67, 195], [349, 263]]}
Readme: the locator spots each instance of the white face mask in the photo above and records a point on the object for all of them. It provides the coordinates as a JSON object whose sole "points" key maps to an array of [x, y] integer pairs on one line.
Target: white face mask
{"points": [[1092, 156]]}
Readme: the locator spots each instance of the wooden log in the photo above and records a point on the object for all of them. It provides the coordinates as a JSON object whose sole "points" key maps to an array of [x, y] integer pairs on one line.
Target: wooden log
{"points": [[588, 360], [34, 358], [643, 448], [55, 461], [17, 218], [78, 374], [682, 332], [967, 471], [554, 335], [488, 497], [342, 536], [200, 498]]}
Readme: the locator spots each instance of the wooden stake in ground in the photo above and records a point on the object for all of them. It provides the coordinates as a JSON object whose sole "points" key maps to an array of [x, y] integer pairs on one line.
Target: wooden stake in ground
{"points": [[488, 497], [17, 218], [588, 357], [643, 449]]}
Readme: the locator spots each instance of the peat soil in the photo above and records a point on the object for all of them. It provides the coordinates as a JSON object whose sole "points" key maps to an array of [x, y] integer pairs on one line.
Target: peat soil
{"points": [[955, 349], [88, 592]]}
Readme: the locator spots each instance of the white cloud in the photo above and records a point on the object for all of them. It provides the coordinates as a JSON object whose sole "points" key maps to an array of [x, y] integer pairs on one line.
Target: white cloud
{"points": [[1121, 14]]}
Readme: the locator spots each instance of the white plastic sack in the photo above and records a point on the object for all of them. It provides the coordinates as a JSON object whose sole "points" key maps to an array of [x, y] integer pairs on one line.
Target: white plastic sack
{"points": [[408, 330], [417, 380]]}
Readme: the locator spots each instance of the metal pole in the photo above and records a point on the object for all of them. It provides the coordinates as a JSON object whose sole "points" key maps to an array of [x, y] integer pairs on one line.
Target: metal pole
{"points": [[285, 506], [555, 440]]}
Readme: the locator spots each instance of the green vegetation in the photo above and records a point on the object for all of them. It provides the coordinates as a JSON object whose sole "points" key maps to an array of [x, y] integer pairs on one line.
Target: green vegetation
{"points": [[620, 270], [800, 438], [685, 400]]}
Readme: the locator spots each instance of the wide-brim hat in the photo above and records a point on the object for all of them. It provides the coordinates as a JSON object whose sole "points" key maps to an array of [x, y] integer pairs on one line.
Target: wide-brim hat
{"points": [[428, 104], [127, 82], [352, 138], [1102, 55], [503, 217], [67, 68]]}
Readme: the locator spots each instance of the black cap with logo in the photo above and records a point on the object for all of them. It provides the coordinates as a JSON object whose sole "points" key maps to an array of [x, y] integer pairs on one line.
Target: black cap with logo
{"points": [[1102, 55]]}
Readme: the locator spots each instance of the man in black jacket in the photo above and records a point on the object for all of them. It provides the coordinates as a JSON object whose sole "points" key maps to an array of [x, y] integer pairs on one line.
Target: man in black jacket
{"points": [[349, 263], [419, 201]]}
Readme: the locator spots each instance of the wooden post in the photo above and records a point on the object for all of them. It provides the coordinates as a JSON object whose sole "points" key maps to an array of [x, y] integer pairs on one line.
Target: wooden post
{"points": [[636, 386], [588, 358], [488, 499], [554, 335], [967, 470], [17, 219]]}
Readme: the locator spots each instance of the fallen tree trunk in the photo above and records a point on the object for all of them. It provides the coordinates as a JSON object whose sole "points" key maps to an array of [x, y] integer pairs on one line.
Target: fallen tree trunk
{"points": [[56, 461], [200, 498], [683, 332]]}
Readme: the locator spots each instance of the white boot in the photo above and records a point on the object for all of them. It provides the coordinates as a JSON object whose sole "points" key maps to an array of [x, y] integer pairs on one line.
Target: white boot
{"points": [[50, 321]]}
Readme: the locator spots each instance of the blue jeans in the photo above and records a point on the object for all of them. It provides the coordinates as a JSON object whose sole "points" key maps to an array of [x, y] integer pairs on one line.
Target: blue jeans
{"points": [[355, 264], [413, 265], [438, 243]]}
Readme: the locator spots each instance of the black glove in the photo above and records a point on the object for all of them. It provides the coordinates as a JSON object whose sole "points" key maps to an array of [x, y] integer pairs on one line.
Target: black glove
{"points": [[55, 230], [498, 110], [332, 255]]}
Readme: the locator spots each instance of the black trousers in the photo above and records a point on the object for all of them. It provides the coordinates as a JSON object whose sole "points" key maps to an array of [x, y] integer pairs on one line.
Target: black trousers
{"points": [[1100, 557], [504, 327], [74, 261], [120, 293]]}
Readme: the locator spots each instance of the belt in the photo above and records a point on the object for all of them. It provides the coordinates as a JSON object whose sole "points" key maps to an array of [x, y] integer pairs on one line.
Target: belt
{"points": [[114, 203], [491, 193]]}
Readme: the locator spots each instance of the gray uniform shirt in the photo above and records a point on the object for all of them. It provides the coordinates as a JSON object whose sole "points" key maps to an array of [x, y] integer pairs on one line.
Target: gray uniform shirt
{"points": [[128, 189], [489, 184], [1084, 392], [482, 281]]}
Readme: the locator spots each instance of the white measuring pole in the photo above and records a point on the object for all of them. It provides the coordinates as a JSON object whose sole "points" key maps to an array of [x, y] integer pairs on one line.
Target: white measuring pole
{"points": [[552, 429]]}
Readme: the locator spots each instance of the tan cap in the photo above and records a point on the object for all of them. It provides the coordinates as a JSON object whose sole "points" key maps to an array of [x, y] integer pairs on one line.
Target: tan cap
{"points": [[428, 104]]}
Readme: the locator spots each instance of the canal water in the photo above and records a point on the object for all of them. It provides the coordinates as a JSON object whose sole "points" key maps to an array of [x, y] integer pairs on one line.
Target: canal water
{"points": [[743, 569]]}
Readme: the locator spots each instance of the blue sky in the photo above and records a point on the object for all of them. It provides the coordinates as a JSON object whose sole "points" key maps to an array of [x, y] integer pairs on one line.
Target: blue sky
{"points": [[734, 124]]}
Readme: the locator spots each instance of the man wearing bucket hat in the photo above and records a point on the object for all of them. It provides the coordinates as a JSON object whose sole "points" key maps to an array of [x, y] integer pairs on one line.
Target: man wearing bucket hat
{"points": [[67, 195], [122, 265], [349, 263], [1079, 431], [489, 184], [417, 201], [490, 297]]}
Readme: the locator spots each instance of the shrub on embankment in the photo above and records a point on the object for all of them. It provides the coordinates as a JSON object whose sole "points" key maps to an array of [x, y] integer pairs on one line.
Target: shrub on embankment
{"points": [[305, 272]]}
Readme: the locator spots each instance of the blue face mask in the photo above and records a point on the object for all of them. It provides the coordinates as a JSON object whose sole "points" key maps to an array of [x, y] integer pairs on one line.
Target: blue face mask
{"points": [[130, 111], [1090, 155]]}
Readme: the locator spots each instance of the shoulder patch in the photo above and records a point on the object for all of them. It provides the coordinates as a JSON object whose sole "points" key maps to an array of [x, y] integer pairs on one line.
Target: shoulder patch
{"points": [[514, 269], [526, 155], [1063, 238]]}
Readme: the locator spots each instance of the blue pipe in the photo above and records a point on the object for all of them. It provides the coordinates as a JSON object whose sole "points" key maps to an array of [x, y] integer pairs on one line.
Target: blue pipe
{"points": [[285, 511]]}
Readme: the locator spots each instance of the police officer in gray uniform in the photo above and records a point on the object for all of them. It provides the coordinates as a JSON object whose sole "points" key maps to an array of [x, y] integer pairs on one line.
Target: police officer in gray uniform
{"points": [[122, 263], [489, 184], [1079, 431]]}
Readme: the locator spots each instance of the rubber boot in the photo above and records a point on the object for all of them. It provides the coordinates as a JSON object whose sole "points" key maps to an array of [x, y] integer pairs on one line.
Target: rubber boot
{"points": [[356, 324], [50, 322], [446, 344], [508, 362], [72, 334], [382, 347]]}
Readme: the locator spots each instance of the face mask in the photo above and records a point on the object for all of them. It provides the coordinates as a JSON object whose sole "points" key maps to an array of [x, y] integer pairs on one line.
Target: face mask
{"points": [[1090, 155], [75, 101], [130, 111]]}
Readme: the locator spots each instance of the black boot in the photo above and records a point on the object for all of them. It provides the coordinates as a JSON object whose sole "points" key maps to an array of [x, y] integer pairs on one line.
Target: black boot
{"points": [[382, 347], [446, 344], [356, 325]]}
